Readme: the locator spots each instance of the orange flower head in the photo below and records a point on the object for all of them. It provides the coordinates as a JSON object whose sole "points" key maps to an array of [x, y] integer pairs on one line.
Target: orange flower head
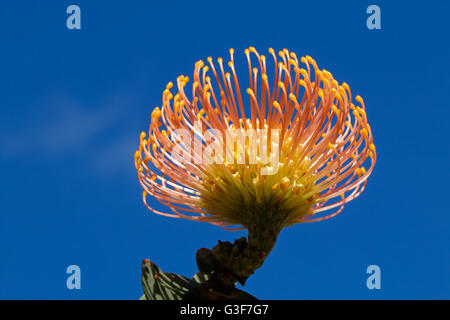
{"points": [[300, 154]]}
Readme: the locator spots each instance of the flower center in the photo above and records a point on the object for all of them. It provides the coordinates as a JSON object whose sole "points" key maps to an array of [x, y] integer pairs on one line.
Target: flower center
{"points": [[276, 188]]}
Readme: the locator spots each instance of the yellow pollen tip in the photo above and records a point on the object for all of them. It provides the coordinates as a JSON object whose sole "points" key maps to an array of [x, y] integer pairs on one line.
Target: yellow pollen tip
{"points": [[364, 133], [299, 189], [285, 183], [137, 154], [276, 105], [359, 99], [292, 97], [335, 109]]}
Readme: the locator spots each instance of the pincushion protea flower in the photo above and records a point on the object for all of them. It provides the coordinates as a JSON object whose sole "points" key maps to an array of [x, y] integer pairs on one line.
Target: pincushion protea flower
{"points": [[324, 141], [319, 158]]}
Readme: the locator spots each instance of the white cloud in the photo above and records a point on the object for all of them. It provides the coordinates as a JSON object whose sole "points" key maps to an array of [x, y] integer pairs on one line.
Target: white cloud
{"points": [[73, 129]]}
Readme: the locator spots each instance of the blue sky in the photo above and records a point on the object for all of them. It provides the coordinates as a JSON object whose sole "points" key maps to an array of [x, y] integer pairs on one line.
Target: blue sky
{"points": [[73, 102]]}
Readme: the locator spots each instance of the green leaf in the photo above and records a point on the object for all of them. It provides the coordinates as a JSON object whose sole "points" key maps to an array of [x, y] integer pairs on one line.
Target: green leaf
{"points": [[158, 285]]}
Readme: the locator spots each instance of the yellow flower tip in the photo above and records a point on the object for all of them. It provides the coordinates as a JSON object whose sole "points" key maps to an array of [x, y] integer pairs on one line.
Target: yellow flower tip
{"points": [[169, 85], [364, 133], [299, 189], [292, 97], [359, 99], [358, 172], [156, 114], [277, 105], [144, 194], [285, 183], [303, 84], [335, 109], [137, 154]]}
